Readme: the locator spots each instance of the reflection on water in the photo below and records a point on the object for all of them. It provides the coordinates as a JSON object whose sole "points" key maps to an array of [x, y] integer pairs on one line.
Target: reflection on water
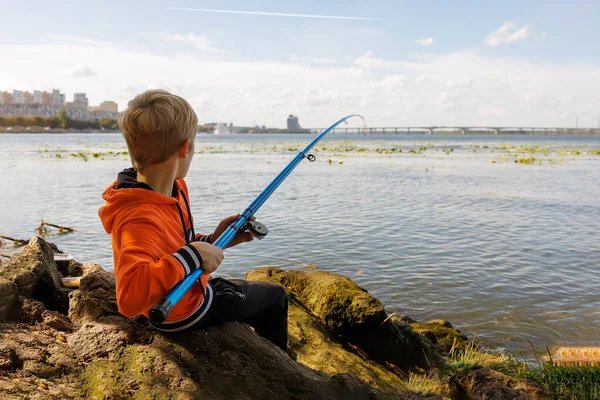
{"points": [[507, 250]]}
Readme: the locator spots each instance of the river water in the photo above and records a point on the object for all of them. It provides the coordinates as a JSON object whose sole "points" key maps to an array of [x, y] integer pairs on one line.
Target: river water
{"points": [[498, 234]]}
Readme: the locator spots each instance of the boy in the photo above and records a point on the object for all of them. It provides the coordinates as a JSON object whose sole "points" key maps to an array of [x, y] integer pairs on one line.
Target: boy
{"points": [[148, 216]]}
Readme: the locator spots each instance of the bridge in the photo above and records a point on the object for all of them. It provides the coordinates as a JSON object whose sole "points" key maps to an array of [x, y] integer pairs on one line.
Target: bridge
{"points": [[462, 130]]}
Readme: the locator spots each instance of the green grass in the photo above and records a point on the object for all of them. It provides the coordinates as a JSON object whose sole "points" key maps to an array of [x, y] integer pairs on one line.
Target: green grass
{"points": [[471, 357], [577, 382]]}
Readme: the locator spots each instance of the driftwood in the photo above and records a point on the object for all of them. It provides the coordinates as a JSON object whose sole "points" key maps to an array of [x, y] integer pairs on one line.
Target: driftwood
{"points": [[71, 282], [42, 230], [17, 242], [388, 318], [5, 256], [574, 355]]}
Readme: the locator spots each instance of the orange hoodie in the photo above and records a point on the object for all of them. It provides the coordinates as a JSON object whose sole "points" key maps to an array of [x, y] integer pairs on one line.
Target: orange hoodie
{"points": [[150, 238]]}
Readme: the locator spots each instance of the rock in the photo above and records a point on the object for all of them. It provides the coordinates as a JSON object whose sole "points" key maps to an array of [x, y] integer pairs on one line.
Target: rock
{"points": [[35, 273], [224, 362], [441, 333], [41, 369], [316, 347], [34, 351], [32, 310], [57, 321], [441, 322], [485, 383], [9, 361], [10, 302], [433, 355], [106, 336], [352, 313], [70, 268], [96, 297], [89, 268]]}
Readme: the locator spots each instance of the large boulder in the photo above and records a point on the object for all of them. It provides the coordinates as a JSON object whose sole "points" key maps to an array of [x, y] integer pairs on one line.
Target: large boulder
{"points": [[355, 316], [227, 361], [35, 273], [224, 362]]}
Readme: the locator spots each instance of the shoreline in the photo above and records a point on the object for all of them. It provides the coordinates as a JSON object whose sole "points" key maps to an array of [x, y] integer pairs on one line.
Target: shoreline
{"points": [[590, 133]]}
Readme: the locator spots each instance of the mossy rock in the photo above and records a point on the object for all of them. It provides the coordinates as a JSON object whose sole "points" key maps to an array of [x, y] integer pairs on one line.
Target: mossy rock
{"points": [[441, 334], [225, 362], [316, 347], [340, 302], [140, 372], [350, 312]]}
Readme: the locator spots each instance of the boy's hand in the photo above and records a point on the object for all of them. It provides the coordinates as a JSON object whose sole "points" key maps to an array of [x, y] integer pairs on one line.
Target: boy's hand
{"points": [[240, 237], [212, 256]]}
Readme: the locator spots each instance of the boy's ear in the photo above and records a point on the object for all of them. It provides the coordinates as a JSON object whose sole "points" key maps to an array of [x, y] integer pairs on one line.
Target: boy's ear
{"points": [[184, 149]]}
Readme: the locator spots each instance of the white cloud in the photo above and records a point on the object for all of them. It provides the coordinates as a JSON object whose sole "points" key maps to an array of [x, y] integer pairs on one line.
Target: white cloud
{"points": [[368, 61], [426, 42], [77, 40], [507, 33], [315, 60], [462, 88], [201, 42], [323, 60], [81, 71]]}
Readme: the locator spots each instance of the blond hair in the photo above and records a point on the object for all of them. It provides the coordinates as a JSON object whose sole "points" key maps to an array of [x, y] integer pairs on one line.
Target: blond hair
{"points": [[155, 124]]}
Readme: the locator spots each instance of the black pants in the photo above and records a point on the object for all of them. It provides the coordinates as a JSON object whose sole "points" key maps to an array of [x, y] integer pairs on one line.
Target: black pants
{"points": [[261, 305]]}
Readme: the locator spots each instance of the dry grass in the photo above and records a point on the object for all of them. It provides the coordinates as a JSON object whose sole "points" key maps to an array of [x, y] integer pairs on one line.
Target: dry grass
{"points": [[426, 384]]}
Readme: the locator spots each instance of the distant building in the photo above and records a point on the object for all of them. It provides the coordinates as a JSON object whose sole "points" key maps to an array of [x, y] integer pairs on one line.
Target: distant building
{"points": [[292, 123], [37, 97], [56, 98], [79, 101], [4, 98], [106, 106], [17, 97], [80, 98]]}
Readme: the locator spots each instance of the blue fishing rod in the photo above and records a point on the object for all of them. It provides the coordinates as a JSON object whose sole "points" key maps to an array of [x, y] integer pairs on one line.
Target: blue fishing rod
{"points": [[159, 312]]}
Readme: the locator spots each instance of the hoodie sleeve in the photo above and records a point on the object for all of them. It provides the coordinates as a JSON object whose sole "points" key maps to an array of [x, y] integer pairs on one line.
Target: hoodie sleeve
{"points": [[143, 270], [203, 238]]}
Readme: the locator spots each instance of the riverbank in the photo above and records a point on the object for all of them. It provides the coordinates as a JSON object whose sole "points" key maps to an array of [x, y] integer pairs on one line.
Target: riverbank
{"points": [[59, 342]]}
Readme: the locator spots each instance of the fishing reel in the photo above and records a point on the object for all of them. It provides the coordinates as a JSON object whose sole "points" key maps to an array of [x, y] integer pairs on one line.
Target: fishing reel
{"points": [[257, 229]]}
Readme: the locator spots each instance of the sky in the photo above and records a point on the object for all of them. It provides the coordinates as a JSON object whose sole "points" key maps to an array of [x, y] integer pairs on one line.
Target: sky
{"points": [[396, 62]]}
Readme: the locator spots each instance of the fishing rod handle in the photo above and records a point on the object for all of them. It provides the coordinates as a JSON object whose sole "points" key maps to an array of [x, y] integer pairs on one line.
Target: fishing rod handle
{"points": [[159, 312]]}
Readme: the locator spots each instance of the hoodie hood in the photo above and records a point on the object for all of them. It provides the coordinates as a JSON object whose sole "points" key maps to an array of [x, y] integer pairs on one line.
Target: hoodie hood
{"points": [[125, 192]]}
